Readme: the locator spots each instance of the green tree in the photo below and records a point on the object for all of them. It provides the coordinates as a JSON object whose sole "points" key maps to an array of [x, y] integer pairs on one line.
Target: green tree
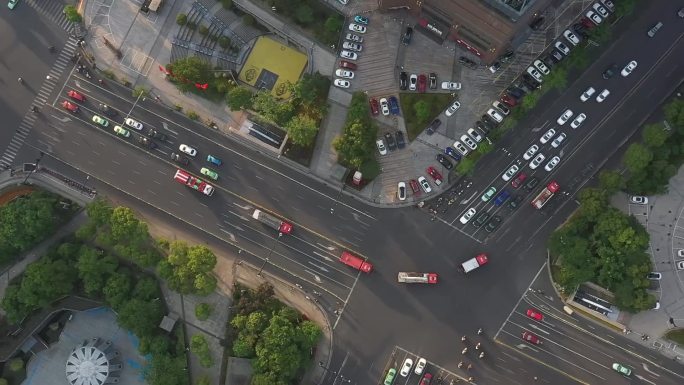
{"points": [[26, 221], [654, 135], [601, 33], [530, 100], [141, 317], [304, 14], [46, 280], [674, 113], [165, 369], [249, 20], [181, 19], [592, 202], [333, 24], [203, 311], [224, 42], [227, 4], [557, 79], [310, 333], [147, 289], [118, 289], [99, 211], [16, 364], [278, 351], [355, 146], [203, 30], [94, 269], [244, 345], [238, 98], [154, 344], [188, 71], [125, 225], [204, 380], [199, 346], [189, 269], [302, 130], [14, 305], [72, 14], [422, 110], [637, 157], [611, 181], [256, 322], [625, 7], [310, 90]]}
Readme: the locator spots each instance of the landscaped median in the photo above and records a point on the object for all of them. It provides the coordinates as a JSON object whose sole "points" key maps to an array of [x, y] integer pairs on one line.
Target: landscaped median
{"points": [[420, 109]]}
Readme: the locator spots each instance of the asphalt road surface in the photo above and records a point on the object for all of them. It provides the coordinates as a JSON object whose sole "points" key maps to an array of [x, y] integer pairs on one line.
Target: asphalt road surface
{"points": [[383, 322]]}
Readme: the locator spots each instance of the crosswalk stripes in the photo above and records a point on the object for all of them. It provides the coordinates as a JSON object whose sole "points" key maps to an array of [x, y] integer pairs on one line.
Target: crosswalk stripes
{"points": [[20, 135], [53, 10]]}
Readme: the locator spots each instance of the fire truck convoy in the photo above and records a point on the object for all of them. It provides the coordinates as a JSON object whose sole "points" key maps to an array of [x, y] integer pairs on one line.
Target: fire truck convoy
{"points": [[474, 263], [272, 222], [417, 277], [545, 195], [193, 182], [352, 260]]}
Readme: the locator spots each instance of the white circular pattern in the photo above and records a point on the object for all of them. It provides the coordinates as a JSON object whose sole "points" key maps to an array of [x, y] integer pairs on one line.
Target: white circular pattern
{"points": [[87, 365]]}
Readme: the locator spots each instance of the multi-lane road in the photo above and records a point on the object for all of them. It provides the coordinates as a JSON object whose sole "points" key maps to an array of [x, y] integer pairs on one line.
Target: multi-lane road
{"points": [[383, 322]]}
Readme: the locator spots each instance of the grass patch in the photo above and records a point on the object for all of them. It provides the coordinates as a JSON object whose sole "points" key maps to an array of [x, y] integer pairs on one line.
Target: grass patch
{"points": [[370, 169], [299, 154], [676, 335], [437, 103]]}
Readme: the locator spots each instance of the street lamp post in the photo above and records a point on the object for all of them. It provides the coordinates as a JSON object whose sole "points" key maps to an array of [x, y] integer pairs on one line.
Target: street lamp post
{"points": [[320, 363], [36, 167], [262, 267], [269, 254]]}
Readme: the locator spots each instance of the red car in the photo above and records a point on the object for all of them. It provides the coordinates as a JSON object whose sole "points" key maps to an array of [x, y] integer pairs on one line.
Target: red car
{"points": [[587, 23], [422, 82], [70, 106], [517, 182], [374, 106], [76, 96], [531, 338], [347, 65], [414, 186], [435, 175], [509, 100], [426, 379], [535, 314]]}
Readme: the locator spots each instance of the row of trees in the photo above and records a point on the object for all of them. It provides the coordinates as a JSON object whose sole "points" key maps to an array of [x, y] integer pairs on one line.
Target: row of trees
{"points": [[657, 158], [274, 336], [323, 20], [356, 145], [601, 244], [300, 115], [29, 219]]}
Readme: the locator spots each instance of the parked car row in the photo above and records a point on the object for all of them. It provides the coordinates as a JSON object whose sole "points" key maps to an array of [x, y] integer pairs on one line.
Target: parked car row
{"points": [[390, 141], [351, 48], [387, 106]]}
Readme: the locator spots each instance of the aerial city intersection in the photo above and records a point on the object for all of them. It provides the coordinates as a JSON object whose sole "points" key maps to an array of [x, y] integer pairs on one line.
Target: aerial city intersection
{"points": [[426, 274]]}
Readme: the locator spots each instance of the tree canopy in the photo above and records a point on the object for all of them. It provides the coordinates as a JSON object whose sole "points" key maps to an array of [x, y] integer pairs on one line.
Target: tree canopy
{"points": [[356, 145], [188, 269]]}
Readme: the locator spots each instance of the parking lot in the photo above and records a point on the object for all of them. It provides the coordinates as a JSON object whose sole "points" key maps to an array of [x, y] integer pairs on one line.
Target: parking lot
{"points": [[408, 375]]}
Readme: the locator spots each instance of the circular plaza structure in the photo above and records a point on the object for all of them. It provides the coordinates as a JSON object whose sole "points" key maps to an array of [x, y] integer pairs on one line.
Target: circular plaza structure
{"points": [[87, 365]]}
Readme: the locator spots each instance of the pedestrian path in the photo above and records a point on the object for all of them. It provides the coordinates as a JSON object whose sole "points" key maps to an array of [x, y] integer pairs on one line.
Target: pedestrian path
{"points": [[53, 10], [63, 61]]}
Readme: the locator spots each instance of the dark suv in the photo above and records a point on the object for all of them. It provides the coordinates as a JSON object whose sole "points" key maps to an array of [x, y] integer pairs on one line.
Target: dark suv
{"points": [[391, 143], [180, 159], [531, 183], [433, 126], [433, 81], [105, 109], [610, 71], [403, 80], [146, 142], [156, 135], [407, 35]]}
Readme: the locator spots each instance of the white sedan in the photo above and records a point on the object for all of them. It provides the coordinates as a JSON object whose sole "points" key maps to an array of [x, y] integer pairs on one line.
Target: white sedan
{"points": [[571, 37], [564, 117], [531, 151], [344, 73], [467, 216], [134, 123], [406, 368], [537, 161], [452, 108], [628, 68], [451, 86], [349, 55], [352, 46], [187, 149], [342, 83], [547, 136], [552, 163], [384, 106], [578, 120], [357, 28], [510, 173]]}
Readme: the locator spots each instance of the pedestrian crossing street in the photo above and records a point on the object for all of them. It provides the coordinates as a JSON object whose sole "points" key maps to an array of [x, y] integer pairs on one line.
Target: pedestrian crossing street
{"points": [[52, 10], [51, 81]]}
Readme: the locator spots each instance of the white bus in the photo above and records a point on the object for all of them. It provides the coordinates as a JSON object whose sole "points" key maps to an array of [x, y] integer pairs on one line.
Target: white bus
{"points": [[417, 277]]}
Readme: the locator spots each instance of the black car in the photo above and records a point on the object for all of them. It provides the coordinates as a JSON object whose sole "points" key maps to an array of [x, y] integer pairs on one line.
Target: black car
{"points": [[531, 183], [556, 56], [482, 127], [508, 56], [152, 133], [105, 109], [403, 80], [146, 142], [548, 60], [537, 23], [580, 30], [401, 143], [444, 161], [514, 202], [433, 81], [515, 92], [610, 71], [530, 82], [493, 224], [467, 62], [180, 159], [489, 121], [433, 126], [407, 35], [391, 143], [481, 219]]}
